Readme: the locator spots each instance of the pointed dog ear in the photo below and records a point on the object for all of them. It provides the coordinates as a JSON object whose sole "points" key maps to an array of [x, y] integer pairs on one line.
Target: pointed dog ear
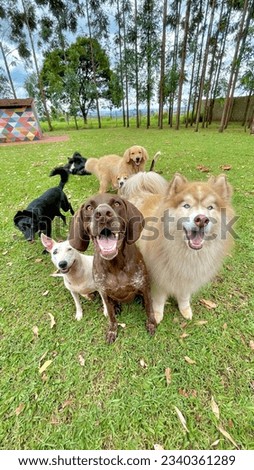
{"points": [[24, 213], [221, 186], [176, 184], [135, 223], [78, 236]]}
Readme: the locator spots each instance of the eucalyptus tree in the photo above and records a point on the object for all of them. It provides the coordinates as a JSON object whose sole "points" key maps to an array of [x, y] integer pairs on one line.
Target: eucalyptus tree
{"points": [[246, 15], [172, 73], [162, 64], [183, 61], [5, 88], [150, 17], [205, 60]]}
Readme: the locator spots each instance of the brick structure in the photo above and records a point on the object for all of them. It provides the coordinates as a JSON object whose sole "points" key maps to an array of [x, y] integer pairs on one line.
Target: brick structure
{"points": [[19, 121]]}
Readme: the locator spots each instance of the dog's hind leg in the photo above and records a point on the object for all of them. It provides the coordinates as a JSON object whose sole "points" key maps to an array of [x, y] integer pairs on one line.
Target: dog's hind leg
{"points": [[151, 321], [79, 312]]}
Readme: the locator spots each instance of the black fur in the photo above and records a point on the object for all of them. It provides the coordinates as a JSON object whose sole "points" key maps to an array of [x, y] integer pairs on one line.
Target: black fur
{"points": [[40, 213], [76, 165]]}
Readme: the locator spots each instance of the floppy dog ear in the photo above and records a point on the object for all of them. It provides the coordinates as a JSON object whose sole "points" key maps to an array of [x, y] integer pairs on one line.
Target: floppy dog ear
{"points": [[135, 223], [221, 186], [24, 213], [176, 184], [78, 236], [126, 155], [144, 154]]}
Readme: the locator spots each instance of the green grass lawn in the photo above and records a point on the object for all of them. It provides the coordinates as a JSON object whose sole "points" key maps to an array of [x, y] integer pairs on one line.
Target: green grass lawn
{"points": [[98, 396]]}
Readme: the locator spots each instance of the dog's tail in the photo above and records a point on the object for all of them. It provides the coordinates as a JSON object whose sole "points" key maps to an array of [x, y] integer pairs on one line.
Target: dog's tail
{"points": [[154, 160], [63, 173], [91, 165], [144, 183]]}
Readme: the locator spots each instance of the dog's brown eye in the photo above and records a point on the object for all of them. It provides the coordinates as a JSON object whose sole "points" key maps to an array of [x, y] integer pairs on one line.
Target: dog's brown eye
{"points": [[89, 207], [116, 204], [69, 249]]}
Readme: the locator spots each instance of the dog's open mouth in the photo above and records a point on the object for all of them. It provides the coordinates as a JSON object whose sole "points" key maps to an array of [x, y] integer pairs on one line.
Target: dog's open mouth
{"points": [[107, 243], [195, 238]]}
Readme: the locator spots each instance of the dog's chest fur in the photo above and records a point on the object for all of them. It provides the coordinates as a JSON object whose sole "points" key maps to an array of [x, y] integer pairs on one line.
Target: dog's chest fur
{"points": [[120, 284]]}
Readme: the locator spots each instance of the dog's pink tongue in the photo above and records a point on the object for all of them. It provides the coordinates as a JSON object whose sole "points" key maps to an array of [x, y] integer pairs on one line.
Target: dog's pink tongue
{"points": [[108, 246], [196, 240]]}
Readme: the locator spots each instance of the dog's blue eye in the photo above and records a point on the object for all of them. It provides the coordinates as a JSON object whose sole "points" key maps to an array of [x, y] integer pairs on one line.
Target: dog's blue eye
{"points": [[55, 252], [186, 206], [210, 208]]}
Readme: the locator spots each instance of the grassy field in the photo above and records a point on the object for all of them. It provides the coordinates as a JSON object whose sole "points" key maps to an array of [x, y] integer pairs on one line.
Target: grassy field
{"points": [[96, 396]]}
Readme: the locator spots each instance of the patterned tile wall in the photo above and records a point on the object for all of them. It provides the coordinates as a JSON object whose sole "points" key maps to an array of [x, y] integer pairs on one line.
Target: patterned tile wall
{"points": [[19, 124]]}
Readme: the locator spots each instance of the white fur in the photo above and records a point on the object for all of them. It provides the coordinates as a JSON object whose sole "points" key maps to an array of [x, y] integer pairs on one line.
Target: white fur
{"points": [[79, 279]]}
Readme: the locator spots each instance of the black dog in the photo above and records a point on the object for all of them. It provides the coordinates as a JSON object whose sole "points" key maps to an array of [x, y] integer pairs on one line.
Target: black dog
{"points": [[38, 216], [76, 165]]}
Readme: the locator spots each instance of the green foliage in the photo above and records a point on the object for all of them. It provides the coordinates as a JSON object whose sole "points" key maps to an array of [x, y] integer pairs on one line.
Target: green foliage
{"points": [[111, 401]]}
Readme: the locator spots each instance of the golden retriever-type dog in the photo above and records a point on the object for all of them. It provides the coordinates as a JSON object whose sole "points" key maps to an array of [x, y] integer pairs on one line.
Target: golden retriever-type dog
{"points": [[187, 234], [110, 167]]}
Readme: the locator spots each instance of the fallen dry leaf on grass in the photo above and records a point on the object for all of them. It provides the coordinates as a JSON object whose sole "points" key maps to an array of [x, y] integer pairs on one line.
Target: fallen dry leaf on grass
{"points": [[38, 260], [81, 360], [158, 447], [251, 344], [184, 335], [35, 331], [215, 443], [189, 360], [168, 375], [208, 304], [123, 325], [45, 293], [227, 435], [226, 167], [142, 363], [19, 409], [52, 320], [45, 366], [202, 168], [215, 408], [201, 322], [182, 418]]}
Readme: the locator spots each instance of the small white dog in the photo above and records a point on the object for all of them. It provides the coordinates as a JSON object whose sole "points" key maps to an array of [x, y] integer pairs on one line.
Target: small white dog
{"points": [[75, 268]]}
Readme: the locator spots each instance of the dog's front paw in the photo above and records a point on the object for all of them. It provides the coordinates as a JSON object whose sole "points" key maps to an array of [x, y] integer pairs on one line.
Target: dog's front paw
{"points": [[151, 327], [78, 316], [186, 313], [111, 336]]}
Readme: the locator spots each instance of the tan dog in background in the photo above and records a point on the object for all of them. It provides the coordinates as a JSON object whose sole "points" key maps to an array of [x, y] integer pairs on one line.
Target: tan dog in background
{"points": [[110, 167]]}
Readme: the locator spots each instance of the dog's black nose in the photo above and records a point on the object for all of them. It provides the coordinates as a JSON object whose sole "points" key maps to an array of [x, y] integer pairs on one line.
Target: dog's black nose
{"points": [[62, 264]]}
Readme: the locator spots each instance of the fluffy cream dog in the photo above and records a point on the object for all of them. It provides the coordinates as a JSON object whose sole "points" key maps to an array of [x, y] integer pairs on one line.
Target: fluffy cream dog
{"points": [[187, 234], [110, 167]]}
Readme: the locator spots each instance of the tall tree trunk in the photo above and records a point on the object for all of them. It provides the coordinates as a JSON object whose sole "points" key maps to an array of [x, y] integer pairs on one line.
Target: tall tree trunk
{"points": [[93, 66], [121, 59], [162, 68], [136, 63], [174, 62], [126, 82], [41, 88], [183, 59], [234, 71], [204, 66], [8, 70]]}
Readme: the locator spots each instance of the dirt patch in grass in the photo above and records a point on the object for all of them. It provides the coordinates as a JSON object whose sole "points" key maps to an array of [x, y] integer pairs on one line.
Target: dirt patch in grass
{"points": [[45, 140]]}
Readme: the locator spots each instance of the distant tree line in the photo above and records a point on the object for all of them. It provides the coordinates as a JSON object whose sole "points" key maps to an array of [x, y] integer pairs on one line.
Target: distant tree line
{"points": [[125, 54]]}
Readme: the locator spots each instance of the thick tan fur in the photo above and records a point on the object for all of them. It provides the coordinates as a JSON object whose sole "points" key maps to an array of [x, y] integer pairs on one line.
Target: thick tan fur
{"points": [[109, 167], [174, 267]]}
